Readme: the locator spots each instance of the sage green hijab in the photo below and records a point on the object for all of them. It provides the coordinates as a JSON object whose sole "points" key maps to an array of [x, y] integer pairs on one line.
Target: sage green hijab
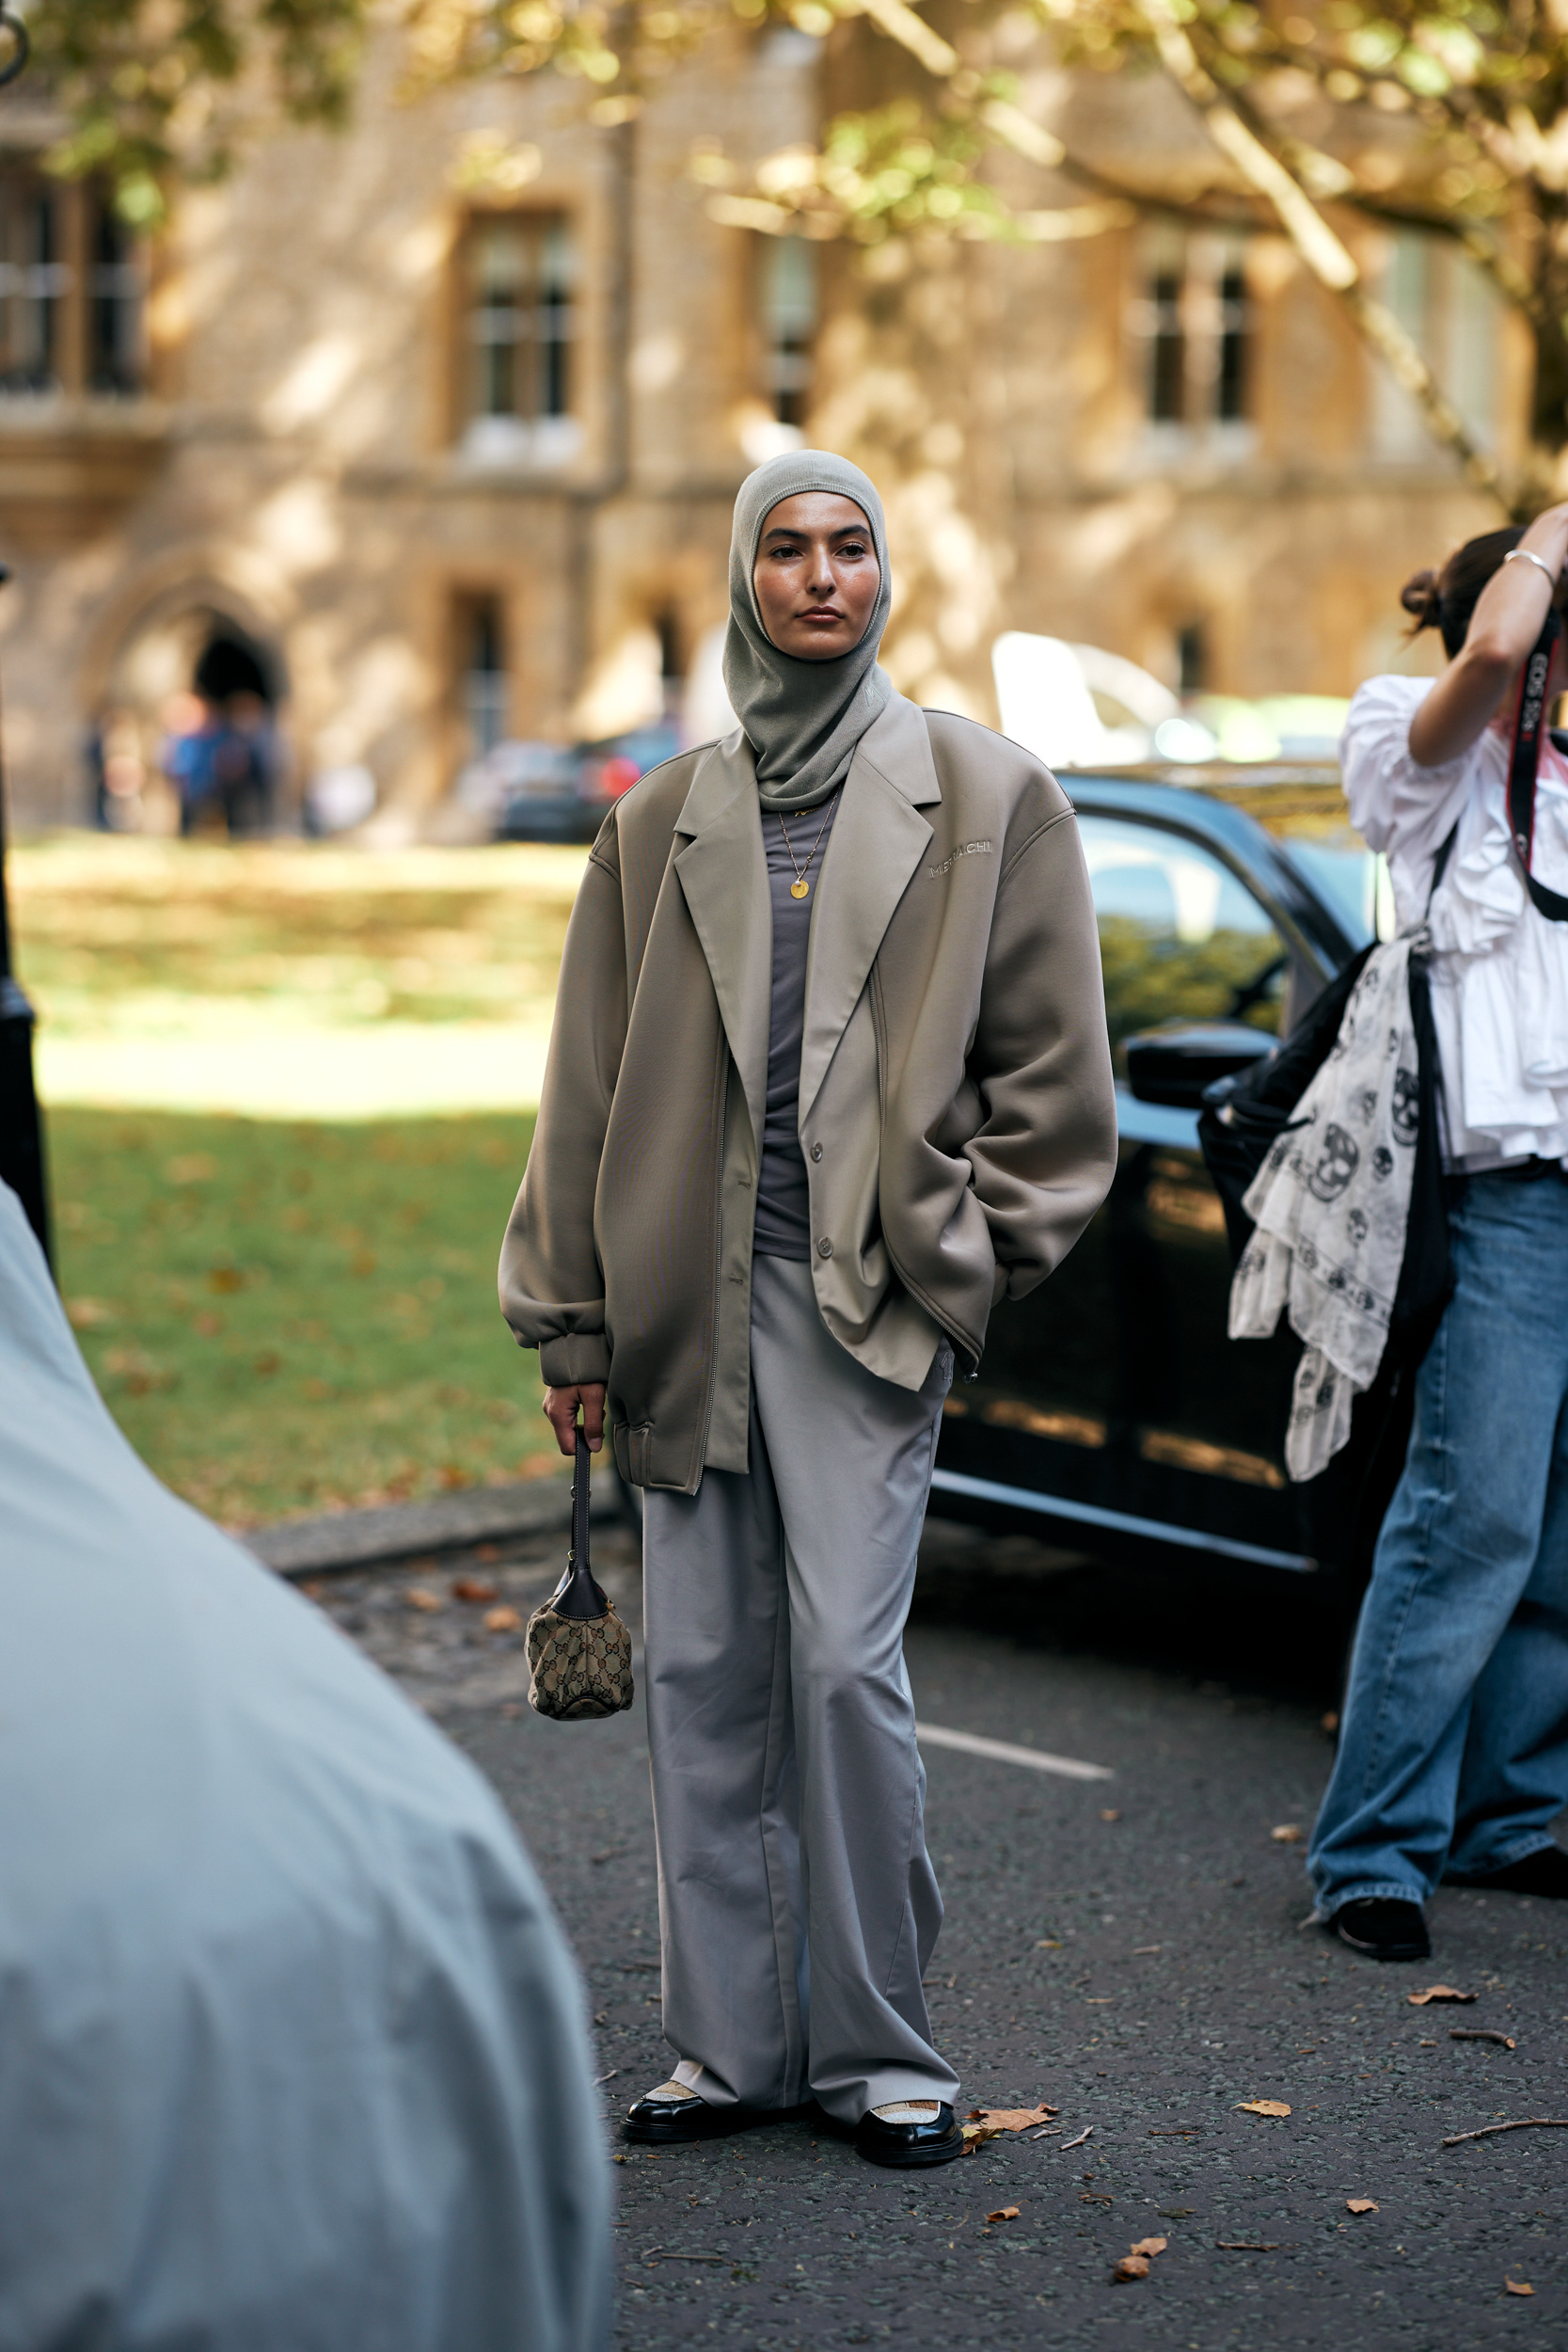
{"points": [[802, 718]]}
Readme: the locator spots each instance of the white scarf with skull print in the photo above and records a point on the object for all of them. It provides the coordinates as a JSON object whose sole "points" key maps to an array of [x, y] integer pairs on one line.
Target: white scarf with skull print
{"points": [[1331, 1204]]}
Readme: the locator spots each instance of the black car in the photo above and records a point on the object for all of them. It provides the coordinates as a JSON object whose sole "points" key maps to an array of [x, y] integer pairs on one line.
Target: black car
{"points": [[1111, 1413]]}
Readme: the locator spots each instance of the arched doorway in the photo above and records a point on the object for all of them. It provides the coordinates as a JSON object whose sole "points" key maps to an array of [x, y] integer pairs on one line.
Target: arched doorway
{"points": [[185, 734]]}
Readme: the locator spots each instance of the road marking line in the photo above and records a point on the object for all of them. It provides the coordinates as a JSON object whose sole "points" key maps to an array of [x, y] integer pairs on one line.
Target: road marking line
{"points": [[1004, 1752]]}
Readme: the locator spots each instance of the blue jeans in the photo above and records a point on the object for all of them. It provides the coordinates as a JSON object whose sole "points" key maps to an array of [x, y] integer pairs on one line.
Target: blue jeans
{"points": [[1454, 1752]]}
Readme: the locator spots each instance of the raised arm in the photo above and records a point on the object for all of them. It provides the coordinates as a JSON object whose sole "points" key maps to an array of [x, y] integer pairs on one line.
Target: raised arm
{"points": [[1503, 628]]}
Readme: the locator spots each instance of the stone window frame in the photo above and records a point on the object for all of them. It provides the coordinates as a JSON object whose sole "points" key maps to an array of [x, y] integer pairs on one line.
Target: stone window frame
{"points": [[789, 321], [1193, 332], [72, 291], [537, 422]]}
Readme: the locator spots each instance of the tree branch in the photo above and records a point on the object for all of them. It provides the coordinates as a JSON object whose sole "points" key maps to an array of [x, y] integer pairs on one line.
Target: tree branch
{"points": [[1321, 248]]}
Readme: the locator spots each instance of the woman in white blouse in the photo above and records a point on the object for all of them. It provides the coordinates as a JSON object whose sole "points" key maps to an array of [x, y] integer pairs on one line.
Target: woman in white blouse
{"points": [[1453, 1756]]}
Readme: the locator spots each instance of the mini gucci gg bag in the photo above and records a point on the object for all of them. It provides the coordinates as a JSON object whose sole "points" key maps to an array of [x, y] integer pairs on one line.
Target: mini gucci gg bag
{"points": [[578, 1651]]}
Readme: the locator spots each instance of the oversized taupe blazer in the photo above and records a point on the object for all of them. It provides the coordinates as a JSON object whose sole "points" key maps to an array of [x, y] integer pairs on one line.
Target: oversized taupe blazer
{"points": [[957, 1110]]}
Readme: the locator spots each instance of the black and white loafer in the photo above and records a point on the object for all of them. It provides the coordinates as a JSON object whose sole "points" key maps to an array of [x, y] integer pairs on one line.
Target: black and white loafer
{"points": [[671, 2114], [910, 2133]]}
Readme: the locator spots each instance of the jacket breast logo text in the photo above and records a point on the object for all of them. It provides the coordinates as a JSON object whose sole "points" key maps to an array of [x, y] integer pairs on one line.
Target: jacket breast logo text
{"points": [[965, 848]]}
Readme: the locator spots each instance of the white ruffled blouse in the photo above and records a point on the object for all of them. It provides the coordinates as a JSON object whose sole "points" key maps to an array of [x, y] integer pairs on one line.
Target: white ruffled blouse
{"points": [[1499, 970]]}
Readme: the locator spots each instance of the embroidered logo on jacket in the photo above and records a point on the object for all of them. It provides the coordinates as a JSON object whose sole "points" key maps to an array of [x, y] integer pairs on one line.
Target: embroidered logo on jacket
{"points": [[965, 848]]}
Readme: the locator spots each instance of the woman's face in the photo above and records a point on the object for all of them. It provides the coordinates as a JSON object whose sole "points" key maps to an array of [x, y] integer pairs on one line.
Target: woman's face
{"points": [[816, 575]]}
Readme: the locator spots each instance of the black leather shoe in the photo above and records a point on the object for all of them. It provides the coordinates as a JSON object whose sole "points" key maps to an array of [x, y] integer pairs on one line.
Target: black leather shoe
{"points": [[668, 2122], [1382, 1928], [1543, 1872], [665, 2122], [937, 2139]]}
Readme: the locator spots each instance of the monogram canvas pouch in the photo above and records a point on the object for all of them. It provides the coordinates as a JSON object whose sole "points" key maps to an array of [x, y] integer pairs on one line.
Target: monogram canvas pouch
{"points": [[578, 1651]]}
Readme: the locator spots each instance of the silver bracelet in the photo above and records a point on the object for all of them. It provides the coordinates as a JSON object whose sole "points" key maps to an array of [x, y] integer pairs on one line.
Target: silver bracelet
{"points": [[1523, 555]]}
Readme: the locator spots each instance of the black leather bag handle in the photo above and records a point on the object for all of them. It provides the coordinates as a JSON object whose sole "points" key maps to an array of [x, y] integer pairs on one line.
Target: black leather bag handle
{"points": [[1530, 725], [576, 1595]]}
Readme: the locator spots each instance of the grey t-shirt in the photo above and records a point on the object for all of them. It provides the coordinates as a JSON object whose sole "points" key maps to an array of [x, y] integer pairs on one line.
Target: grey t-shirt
{"points": [[783, 1219]]}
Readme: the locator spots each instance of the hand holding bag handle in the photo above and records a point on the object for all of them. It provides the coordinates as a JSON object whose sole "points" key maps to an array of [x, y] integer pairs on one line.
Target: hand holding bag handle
{"points": [[578, 1651]]}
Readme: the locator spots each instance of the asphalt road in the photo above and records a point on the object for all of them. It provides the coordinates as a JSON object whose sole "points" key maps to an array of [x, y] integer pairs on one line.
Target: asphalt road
{"points": [[1129, 1950]]}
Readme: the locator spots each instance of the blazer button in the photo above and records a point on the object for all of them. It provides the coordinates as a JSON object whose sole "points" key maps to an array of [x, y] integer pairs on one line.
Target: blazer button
{"points": [[824, 1248], [817, 1151]]}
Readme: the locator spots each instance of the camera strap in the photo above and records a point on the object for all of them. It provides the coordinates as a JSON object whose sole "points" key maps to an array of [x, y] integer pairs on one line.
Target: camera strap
{"points": [[1529, 726]]}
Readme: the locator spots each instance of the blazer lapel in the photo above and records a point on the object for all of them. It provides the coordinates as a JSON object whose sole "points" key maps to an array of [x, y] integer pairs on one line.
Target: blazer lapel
{"points": [[877, 841], [724, 874]]}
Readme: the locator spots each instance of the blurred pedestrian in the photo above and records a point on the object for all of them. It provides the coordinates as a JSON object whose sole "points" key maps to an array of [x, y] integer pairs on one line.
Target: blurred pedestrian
{"points": [[116, 772], [222, 759], [295, 2058], [830, 1076], [185, 754], [1453, 1752], [244, 759]]}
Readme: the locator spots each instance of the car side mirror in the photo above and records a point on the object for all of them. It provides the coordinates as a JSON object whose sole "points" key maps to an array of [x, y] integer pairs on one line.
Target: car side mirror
{"points": [[1174, 1065]]}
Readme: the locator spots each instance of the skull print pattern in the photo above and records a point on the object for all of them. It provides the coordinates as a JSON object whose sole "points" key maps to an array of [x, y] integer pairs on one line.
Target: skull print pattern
{"points": [[1331, 1204]]}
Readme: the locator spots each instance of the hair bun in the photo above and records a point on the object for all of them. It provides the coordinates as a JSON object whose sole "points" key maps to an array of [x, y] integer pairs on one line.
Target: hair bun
{"points": [[1422, 597]]}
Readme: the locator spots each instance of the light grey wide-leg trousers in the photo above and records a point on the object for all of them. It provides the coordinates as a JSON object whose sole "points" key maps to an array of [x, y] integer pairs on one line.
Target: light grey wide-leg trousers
{"points": [[797, 1906]]}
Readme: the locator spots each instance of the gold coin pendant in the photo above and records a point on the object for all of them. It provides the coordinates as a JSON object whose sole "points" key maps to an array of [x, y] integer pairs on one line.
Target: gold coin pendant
{"points": [[798, 889]]}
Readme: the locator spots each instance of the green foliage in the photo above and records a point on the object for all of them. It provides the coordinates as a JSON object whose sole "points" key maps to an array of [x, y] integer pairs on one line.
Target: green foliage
{"points": [[1482, 89], [898, 169], [160, 90], [284, 1318]]}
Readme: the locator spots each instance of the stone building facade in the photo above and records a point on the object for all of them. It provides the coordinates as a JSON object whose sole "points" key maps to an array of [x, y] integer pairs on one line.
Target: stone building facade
{"points": [[439, 421]]}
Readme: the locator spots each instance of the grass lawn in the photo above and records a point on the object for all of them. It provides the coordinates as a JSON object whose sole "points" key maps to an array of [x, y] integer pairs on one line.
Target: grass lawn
{"points": [[287, 1318], [287, 1314]]}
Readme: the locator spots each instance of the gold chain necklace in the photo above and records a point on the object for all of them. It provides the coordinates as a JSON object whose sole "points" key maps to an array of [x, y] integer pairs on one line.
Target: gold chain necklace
{"points": [[799, 887]]}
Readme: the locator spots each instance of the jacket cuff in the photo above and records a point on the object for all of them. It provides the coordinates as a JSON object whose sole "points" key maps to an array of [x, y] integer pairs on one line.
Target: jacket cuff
{"points": [[571, 1362]]}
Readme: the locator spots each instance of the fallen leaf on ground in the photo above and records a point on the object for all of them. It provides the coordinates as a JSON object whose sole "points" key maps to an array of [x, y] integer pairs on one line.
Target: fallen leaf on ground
{"points": [[1151, 2246], [472, 1588], [1010, 2119], [1110, 1813], [1288, 1834], [487, 1552], [502, 1620], [1132, 2267], [420, 1597], [1261, 2106], [1439, 1992], [1004, 2213], [1516, 2286], [1361, 2204]]}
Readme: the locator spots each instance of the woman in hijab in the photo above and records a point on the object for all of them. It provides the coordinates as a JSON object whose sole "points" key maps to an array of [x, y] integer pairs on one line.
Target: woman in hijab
{"points": [[828, 1077]]}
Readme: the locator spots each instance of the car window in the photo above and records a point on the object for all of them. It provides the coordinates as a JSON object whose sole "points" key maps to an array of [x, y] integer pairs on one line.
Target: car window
{"points": [[1180, 937], [1353, 881]]}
